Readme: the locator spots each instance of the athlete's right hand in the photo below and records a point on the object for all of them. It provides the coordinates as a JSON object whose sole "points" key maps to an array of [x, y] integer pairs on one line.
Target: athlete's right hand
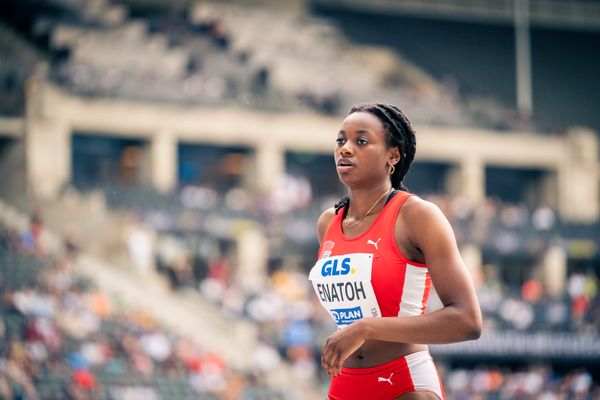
{"points": [[341, 344]]}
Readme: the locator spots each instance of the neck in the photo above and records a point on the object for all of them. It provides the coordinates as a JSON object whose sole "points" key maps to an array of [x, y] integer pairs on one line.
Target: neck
{"points": [[362, 199]]}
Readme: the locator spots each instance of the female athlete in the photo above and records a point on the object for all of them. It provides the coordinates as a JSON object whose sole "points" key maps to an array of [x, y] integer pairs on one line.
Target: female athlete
{"points": [[381, 249]]}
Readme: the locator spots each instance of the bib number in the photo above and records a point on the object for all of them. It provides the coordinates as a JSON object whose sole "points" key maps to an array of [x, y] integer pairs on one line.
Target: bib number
{"points": [[343, 286]]}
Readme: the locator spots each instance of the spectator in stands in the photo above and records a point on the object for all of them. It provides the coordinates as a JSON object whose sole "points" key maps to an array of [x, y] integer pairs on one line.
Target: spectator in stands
{"points": [[140, 246], [31, 239]]}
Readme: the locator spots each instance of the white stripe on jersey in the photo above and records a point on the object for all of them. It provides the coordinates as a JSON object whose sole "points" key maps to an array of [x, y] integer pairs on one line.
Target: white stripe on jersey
{"points": [[413, 291]]}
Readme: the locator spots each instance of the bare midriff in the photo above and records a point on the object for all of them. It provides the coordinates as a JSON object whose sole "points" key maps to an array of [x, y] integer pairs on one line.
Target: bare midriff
{"points": [[376, 352]]}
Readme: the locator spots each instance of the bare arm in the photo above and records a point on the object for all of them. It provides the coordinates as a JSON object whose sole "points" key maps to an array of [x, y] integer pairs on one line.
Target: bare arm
{"points": [[460, 319]]}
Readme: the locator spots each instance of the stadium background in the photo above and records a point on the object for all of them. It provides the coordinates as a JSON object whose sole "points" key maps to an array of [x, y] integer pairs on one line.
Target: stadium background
{"points": [[162, 165]]}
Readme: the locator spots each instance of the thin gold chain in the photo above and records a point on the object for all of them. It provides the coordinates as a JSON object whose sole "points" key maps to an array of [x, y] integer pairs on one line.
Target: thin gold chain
{"points": [[367, 213]]}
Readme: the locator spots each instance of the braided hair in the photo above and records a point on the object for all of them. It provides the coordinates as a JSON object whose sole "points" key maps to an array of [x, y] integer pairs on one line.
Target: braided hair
{"points": [[399, 132]]}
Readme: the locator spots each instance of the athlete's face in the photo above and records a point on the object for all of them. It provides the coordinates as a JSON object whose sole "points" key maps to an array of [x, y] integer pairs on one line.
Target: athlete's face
{"points": [[362, 155]]}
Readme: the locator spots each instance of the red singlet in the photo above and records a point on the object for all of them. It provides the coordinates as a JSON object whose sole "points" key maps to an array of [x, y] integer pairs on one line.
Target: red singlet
{"points": [[367, 276]]}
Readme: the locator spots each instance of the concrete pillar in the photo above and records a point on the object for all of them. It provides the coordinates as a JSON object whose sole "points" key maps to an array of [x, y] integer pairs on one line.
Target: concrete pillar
{"points": [[163, 161], [47, 139], [48, 156], [523, 57], [473, 259], [579, 177], [467, 179], [554, 270], [269, 166], [252, 260]]}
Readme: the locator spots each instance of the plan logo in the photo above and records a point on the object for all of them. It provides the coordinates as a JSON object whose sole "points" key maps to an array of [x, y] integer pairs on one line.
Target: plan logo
{"points": [[346, 316]]}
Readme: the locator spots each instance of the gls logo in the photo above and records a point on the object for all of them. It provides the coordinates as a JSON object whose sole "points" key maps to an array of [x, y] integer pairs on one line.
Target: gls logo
{"points": [[333, 267]]}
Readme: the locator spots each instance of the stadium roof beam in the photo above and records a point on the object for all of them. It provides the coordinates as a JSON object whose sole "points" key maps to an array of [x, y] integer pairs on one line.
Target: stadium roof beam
{"points": [[53, 115], [550, 13]]}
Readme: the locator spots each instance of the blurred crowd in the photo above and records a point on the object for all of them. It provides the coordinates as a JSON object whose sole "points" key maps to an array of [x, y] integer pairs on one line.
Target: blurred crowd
{"points": [[215, 54], [290, 318], [503, 232], [60, 338], [500, 227], [538, 382], [532, 309]]}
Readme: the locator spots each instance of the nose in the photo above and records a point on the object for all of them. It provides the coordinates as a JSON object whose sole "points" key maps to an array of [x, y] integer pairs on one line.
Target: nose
{"points": [[346, 149]]}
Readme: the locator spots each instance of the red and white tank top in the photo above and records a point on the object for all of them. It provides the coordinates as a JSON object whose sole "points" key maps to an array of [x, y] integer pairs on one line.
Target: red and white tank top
{"points": [[367, 275]]}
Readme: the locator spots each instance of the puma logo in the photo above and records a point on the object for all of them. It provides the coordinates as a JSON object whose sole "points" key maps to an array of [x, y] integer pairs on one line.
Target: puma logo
{"points": [[388, 380], [376, 244]]}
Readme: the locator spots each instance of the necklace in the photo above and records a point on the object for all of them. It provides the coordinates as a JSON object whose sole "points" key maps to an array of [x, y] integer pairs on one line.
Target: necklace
{"points": [[348, 225]]}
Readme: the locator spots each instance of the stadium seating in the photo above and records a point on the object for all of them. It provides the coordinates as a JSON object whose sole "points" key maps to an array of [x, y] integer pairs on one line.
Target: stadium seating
{"points": [[40, 313], [221, 55]]}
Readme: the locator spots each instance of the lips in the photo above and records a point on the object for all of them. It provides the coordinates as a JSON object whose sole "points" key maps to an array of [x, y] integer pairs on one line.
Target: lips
{"points": [[344, 166], [344, 162]]}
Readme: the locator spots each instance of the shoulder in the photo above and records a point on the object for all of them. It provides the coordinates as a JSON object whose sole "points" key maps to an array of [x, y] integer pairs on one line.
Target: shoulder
{"points": [[415, 208], [424, 220], [418, 214], [324, 221]]}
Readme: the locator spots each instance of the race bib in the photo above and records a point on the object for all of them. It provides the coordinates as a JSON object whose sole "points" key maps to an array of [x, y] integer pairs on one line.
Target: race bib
{"points": [[343, 286]]}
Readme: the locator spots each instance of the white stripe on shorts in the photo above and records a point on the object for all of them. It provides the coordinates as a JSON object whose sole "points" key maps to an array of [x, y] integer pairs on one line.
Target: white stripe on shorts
{"points": [[423, 372]]}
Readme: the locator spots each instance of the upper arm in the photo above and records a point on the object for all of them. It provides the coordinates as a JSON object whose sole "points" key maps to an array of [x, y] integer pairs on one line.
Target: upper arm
{"points": [[323, 223], [432, 234]]}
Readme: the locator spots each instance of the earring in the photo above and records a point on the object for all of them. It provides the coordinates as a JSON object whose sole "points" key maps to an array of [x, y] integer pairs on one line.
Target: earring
{"points": [[391, 169]]}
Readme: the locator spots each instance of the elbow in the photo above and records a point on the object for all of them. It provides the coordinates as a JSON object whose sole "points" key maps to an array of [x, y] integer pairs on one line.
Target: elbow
{"points": [[469, 323], [473, 325], [474, 333]]}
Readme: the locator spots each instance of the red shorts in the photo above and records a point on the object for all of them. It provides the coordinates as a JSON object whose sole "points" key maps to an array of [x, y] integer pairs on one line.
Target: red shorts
{"points": [[411, 373]]}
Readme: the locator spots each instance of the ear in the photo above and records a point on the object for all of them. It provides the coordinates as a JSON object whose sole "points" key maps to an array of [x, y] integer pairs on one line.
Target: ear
{"points": [[394, 155]]}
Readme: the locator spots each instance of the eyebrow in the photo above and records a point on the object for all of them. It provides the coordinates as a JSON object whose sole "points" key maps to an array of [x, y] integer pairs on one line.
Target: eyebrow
{"points": [[360, 132]]}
